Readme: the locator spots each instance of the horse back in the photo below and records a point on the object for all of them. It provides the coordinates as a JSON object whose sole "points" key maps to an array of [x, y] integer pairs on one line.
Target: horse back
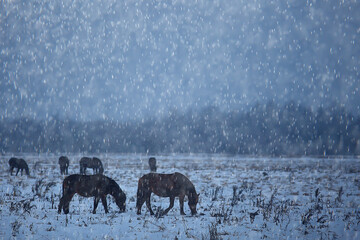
{"points": [[19, 163], [91, 162], [64, 161], [85, 161], [87, 185], [165, 185]]}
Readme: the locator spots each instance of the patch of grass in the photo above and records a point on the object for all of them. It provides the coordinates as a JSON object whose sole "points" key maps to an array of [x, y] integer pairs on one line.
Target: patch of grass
{"points": [[222, 214], [213, 233], [216, 193], [25, 205], [236, 196], [15, 226]]}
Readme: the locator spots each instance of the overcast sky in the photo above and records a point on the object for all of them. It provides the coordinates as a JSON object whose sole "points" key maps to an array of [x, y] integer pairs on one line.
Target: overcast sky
{"points": [[131, 59]]}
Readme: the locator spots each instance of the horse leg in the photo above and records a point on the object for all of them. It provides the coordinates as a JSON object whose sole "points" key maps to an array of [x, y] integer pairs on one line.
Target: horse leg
{"points": [[148, 204], [103, 200], [11, 170], [96, 202], [181, 201], [172, 199], [139, 202], [65, 203], [61, 204], [17, 171], [139, 205]]}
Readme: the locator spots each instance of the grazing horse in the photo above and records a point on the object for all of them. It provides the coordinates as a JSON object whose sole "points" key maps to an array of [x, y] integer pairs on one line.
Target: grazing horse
{"points": [[93, 163], [166, 185], [97, 186], [64, 165], [20, 164], [152, 164]]}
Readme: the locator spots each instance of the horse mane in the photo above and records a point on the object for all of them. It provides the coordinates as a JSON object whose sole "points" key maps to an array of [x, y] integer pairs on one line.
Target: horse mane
{"points": [[192, 191], [114, 187], [192, 195]]}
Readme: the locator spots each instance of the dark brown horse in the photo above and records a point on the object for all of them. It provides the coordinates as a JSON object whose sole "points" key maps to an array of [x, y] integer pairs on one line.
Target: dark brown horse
{"points": [[20, 164], [64, 165], [166, 185], [97, 186], [93, 163], [152, 164]]}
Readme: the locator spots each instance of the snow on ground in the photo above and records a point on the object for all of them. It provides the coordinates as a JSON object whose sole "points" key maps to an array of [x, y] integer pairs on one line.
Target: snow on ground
{"points": [[240, 198]]}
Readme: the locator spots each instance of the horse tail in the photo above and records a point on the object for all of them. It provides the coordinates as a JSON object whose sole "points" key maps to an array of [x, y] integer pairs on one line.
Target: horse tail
{"points": [[142, 186], [139, 186], [66, 186], [140, 195]]}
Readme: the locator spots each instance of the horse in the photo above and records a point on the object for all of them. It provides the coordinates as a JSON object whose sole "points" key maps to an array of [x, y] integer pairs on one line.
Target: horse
{"points": [[93, 163], [97, 186], [20, 164], [152, 164], [64, 165], [166, 185]]}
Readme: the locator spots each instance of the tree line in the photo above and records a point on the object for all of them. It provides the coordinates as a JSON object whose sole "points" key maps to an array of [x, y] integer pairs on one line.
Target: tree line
{"points": [[264, 129]]}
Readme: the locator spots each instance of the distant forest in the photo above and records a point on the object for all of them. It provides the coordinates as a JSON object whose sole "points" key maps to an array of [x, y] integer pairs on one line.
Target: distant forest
{"points": [[289, 130]]}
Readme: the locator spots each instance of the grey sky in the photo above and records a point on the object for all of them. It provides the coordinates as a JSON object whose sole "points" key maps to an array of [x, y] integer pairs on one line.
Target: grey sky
{"points": [[131, 59]]}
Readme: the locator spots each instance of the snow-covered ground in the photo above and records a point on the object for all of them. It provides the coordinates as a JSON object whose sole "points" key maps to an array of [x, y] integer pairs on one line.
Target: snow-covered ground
{"points": [[240, 198]]}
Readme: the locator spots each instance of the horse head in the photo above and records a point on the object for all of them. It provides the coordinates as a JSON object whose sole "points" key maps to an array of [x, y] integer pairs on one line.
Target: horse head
{"points": [[193, 200], [119, 195]]}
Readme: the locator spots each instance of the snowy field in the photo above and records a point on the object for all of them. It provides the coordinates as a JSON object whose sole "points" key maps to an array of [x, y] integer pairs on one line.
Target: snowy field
{"points": [[240, 198]]}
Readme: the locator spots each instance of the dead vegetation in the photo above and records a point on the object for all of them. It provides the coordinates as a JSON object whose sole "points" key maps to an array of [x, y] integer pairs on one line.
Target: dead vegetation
{"points": [[269, 202]]}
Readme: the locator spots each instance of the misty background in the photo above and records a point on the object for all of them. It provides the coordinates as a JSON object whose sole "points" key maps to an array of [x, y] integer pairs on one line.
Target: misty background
{"points": [[259, 77]]}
